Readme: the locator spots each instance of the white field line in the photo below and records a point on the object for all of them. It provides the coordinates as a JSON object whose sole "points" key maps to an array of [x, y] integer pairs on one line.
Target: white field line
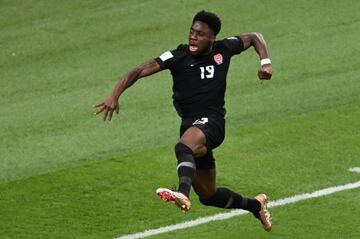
{"points": [[238, 212], [355, 170]]}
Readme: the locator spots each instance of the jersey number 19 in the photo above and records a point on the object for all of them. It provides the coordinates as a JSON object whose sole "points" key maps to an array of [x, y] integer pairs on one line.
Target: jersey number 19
{"points": [[207, 72]]}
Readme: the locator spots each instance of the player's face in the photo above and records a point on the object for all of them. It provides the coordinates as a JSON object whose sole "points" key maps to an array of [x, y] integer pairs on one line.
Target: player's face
{"points": [[201, 38]]}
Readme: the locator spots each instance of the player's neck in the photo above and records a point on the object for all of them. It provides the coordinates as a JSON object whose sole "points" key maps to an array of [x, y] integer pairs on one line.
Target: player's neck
{"points": [[206, 52]]}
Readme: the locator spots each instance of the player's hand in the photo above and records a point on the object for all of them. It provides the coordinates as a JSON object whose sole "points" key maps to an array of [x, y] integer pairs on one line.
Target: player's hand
{"points": [[265, 72], [108, 107]]}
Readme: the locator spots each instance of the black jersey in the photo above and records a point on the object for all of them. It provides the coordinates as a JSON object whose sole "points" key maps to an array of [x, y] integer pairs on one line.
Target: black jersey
{"points": [[199, 82]]}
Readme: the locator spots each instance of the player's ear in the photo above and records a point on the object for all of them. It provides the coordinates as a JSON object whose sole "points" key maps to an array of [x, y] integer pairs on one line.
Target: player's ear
{"points": [[212, 37]]}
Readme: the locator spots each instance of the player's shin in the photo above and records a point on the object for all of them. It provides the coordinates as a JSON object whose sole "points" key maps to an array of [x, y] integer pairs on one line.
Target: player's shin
{"points": [[225, 198], [186, 167]]}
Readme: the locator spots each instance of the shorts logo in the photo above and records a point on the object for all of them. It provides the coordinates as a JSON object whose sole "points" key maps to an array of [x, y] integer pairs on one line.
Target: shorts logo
{"points": [[218, 58], [201, 121]]}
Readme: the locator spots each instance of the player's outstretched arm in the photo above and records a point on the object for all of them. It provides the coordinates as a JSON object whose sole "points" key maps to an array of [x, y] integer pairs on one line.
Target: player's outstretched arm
{"points": [[111, 104], [257, 40]]}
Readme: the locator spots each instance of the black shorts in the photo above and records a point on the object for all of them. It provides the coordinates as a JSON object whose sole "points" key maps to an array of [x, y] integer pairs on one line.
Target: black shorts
{"points": [[213, 126]]}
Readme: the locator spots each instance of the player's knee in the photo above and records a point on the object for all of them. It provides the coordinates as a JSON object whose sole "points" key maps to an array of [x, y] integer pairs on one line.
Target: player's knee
{"points": [[198, 150], [204, 201], [206, 197], [181, 148], [207, 201]]}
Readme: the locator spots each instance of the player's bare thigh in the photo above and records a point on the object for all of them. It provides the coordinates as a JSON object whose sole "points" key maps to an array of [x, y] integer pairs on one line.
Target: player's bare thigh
{"points": [[195, 139]]}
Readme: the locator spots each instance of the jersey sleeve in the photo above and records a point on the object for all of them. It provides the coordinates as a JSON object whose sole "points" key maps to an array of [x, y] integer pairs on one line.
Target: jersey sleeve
{"points": [[234, 45], [167, 59]]}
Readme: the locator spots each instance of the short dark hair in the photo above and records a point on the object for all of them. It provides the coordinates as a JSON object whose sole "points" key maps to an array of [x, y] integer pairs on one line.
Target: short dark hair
{"points": [[211, 19]]}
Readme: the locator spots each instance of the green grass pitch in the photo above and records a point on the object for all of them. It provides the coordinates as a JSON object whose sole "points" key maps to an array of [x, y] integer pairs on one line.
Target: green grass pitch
{"points": [[66, 174]]}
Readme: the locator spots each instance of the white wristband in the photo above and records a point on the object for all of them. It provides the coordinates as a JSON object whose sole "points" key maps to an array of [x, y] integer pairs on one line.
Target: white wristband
{"points": [[265, 61]]}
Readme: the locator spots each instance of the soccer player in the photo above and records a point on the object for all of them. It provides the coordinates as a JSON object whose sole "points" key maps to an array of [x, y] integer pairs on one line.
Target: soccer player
{"points": [[199, 71]]}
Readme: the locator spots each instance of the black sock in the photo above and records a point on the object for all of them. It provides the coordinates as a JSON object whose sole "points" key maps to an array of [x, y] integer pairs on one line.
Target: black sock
{"points": [[225, 198], [186, 167]]}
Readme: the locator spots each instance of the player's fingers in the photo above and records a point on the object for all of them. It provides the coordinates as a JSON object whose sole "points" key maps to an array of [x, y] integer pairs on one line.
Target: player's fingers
{"points": [[98, 105], [100, 110], [117, 109], [263, 75], [268, 75], [106, 112], [111, 111]]}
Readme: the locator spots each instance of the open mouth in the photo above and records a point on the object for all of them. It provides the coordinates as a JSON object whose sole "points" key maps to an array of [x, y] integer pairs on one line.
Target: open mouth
{"points": [[193, 48]]}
